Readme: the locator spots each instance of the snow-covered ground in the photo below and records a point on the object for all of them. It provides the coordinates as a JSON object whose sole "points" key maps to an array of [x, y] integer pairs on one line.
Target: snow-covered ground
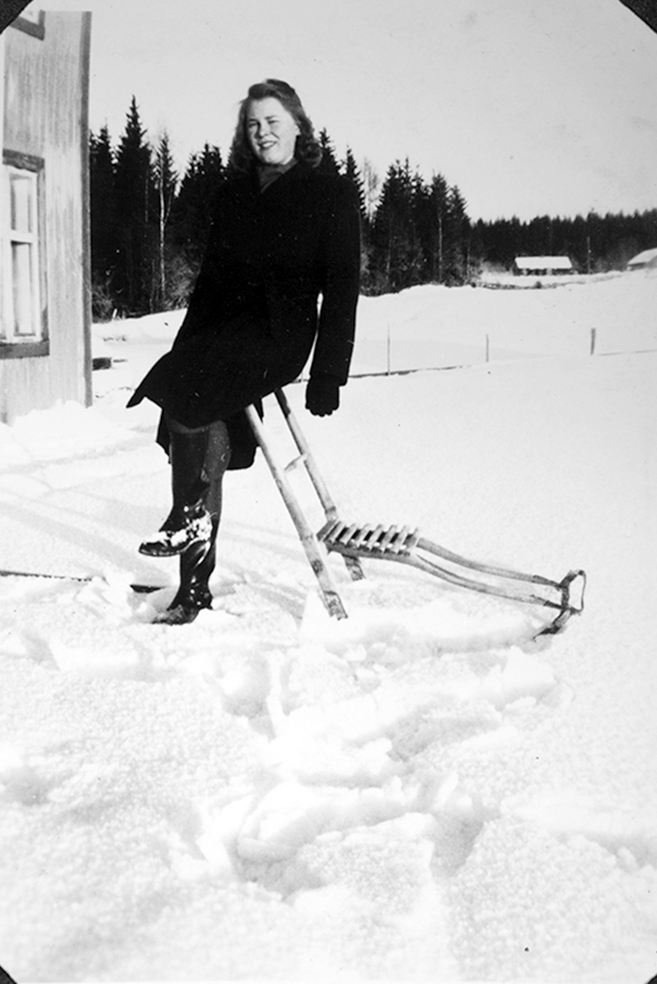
{"points": [[418, 792]]}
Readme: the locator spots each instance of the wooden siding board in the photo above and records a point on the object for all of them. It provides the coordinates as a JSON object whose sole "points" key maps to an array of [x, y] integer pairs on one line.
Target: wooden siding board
{"points": [[3, 384], [85, 77], [46, 116]]}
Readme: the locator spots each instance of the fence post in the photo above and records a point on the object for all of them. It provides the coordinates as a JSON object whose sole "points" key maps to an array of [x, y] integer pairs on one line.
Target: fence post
{"points": [[593, 337], [487, 347]]}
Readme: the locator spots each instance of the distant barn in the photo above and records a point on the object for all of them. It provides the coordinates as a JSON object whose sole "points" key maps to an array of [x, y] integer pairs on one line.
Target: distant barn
{"points": [[644, 261], [45, 311], [537, 265]]}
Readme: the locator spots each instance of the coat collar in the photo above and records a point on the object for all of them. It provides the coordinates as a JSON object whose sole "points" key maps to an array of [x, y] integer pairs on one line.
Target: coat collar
{"points": [[269, 173], [246, 185]]}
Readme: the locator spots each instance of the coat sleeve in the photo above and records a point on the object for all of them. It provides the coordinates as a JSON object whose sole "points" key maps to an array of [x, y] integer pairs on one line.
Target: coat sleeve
{"points": [[340, 285]]}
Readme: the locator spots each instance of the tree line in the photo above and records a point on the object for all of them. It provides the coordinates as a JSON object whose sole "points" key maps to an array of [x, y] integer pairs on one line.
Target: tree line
{"points": [[595, 243], [149, 225]]}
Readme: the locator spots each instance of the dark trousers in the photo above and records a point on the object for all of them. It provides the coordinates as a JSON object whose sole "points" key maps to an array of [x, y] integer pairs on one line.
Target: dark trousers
{"points": [[216, 460]]}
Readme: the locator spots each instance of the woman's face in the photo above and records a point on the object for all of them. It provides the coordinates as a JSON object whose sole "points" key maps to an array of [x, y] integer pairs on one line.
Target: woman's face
{"points": [[271, 130]]}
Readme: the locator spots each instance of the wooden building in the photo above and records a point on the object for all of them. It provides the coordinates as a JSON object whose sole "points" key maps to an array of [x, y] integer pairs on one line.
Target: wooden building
{"points": [[647, 260], [45, 301], [537, 265]]}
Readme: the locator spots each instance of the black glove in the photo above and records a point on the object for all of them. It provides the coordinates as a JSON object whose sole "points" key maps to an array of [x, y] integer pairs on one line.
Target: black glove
{"points": [[322, 395]]}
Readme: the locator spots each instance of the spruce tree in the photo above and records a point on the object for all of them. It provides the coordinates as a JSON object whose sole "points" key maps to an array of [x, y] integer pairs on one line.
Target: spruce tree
{"points": [[423, 221], [456, 252], [135, 198], [194, 207], [397, 248], [103, 223], [351, 171], [328, 163]]}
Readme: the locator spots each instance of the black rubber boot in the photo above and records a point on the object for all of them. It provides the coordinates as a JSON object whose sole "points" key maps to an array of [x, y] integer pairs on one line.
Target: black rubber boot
{"points": [[193, 595], [189, 521], [198, 559]]}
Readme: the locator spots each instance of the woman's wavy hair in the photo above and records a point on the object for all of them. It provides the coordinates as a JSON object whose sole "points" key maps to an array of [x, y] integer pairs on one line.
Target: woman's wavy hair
{"points": [[307, 147]]}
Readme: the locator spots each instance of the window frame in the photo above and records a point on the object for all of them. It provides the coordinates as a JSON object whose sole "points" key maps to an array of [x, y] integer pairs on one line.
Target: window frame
{"points": [[38, 344]]}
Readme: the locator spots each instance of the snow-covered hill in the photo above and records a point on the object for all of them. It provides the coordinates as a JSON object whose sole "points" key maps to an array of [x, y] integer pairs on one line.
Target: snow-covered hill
{"points": [[419, 792]]}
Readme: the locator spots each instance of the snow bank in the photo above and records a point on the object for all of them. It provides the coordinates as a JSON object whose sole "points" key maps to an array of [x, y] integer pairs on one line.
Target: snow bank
{"points": [[422, 791]]}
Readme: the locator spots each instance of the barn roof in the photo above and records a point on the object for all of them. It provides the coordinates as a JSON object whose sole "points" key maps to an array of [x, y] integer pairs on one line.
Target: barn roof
{"points": [[648, 256], [543, 263]]}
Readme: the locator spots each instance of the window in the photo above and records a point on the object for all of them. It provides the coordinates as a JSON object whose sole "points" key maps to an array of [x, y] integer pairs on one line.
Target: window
{"points": [[23, 329]]}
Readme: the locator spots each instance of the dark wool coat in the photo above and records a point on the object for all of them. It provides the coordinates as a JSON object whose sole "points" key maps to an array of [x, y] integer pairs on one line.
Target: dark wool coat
{"points": [[253, 315]]}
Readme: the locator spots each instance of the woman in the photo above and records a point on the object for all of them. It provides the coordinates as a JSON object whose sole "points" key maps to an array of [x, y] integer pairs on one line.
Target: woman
{"points": [[283, 234]]}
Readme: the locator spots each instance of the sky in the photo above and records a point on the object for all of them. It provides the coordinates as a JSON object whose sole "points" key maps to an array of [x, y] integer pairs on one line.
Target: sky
{"points": [[531, 108]]}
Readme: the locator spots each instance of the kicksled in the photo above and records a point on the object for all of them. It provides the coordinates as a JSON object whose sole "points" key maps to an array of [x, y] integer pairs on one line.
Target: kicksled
{"points": [[401, 544]]}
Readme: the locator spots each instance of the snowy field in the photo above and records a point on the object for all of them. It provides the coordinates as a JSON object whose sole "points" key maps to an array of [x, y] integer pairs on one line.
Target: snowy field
{"points": [[420, 792]]}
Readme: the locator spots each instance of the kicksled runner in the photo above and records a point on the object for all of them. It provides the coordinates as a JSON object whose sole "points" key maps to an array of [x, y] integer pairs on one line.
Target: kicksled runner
{"points": [[401, 545]]}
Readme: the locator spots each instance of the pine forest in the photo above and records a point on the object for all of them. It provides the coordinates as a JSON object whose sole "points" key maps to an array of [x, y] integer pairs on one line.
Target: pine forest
{"points": [[149, 225]]}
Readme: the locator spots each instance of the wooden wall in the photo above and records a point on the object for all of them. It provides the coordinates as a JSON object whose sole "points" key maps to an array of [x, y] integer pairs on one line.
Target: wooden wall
{"points": [[46, 115]]}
